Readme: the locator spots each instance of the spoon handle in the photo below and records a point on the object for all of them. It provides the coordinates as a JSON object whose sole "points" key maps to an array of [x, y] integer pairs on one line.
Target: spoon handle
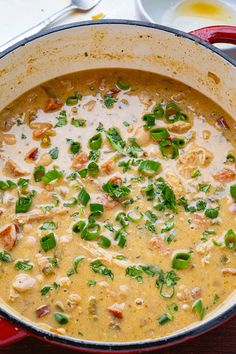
{"points": [[37, 28]]}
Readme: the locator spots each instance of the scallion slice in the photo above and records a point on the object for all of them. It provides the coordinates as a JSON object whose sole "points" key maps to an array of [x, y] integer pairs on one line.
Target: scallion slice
{"points": [[230, 240], [122, 85], [114, 138], [159, 134], [75, 147], [212, 213], [39, 172], [169, 149], [104, 242], [48, 242], [78, 227], [96, 208], [52, 175], [134, 216], [149, 118], [23, 204], [61, 318], [199, 308], [91, 231], [181, 260], [149, 167], [93, 168], [83, 196], [95, 142], [166, 317], [233, 191]]}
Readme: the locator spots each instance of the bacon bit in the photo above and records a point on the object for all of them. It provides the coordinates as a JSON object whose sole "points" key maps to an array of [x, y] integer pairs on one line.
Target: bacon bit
{"points": [[200, 221], [108, 166], [32, 154], [107, 201], [228, 271], [157, 243], [13, 169], [113, 91], [42, 311], [53, 104], [115, 311], [224, 176], [221, 123], [9, 236], [80, 160], [116, 180]]}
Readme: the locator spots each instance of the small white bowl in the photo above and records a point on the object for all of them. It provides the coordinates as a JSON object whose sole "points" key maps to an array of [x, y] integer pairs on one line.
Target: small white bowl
{"points": [[161, 12]]}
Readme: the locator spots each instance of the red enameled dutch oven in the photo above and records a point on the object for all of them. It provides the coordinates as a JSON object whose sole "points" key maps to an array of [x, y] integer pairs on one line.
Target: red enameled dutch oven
{"points": [[189, 58]]}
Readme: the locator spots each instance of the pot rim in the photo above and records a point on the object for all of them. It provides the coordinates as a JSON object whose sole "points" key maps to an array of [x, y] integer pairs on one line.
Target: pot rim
{"points": [[147, 344]]}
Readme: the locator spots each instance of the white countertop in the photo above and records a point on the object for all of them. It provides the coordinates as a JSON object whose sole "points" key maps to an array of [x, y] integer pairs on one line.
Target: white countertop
{"points": [[16, 16]]}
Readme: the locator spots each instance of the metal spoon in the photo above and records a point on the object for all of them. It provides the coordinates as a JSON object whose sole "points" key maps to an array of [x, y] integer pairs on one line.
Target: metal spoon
{"points": [[82, 5]]}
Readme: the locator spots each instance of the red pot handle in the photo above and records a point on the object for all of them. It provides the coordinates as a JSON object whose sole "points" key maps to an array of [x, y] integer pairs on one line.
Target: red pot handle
{"points": [[9, 333], [216, 34]]}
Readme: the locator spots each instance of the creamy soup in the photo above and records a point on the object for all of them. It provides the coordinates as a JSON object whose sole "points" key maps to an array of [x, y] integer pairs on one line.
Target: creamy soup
{"points": [[117, 203]]}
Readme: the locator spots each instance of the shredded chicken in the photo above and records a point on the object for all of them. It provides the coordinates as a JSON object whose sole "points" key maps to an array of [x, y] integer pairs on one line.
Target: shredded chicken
{"points": [[199, 221], [195, 157], [108, 166], [185, 294], [37, 215], [9, 236], [175, 182], [179, 127], [13, 170], [23, 282], [156, 243], [224, 176]]}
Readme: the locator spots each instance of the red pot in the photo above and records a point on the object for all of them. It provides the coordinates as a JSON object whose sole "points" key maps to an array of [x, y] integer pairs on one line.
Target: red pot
{"points": [[185, 57]]}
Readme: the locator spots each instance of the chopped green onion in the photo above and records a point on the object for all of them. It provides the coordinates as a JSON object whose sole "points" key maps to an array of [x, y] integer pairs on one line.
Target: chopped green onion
{"points": [[78, 122], [196, 173], [78, 227], [91, 283], [116, 191], [169, 149], [23, 204], [181, 260], [149, 118], [230, 158], [233, 191], [54, 153], [39, 172], [122, 85], [23, 265], [199, 308], [5, 257], [61, 120], [158, 110], [75, 147], [135, 273], [52, 175], [230, 240], [96, 208], [98, 267], [204, 187], [93, 168], [104, 242], [109, 101], [76, 263], [122, 218], [114, 138], [83, 196], [166, 317], [95, 142], [61, 318], [48, 225], [48, 242], [23, 183], [159, 134], [73, 100], [212, 213], [149, 167], [134, 216], [121, 236], [91, 231]]}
